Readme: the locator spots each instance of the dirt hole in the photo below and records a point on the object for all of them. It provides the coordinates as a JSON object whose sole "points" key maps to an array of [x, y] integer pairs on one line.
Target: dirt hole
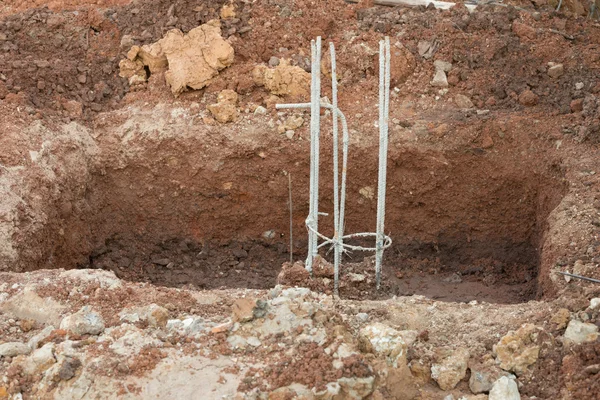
{"points": [[467, 225]]}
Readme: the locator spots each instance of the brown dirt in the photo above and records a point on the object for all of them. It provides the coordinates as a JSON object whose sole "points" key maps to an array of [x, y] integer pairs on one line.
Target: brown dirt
{"points": [[483, 204]]}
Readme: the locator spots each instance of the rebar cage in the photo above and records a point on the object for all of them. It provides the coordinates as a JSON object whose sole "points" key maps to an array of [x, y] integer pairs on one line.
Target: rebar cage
{"points": [[339, 194]]}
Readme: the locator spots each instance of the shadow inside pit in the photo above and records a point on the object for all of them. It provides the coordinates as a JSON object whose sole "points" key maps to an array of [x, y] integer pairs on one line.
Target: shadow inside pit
{"points": [[495, 273]]}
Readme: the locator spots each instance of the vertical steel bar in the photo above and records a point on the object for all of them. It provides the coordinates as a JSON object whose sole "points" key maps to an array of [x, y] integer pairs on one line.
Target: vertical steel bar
{"points": [[317, 72], [384, 83], [313, 111], [291, 218], [336, 204]]}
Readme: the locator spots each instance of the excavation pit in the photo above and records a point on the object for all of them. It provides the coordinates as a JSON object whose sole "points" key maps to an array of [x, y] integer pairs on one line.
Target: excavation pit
{"points": [[210, 210]]}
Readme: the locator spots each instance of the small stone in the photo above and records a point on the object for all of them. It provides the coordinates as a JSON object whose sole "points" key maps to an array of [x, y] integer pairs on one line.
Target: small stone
{"points": [[487, 141], [289, 134], [83, 322], [68, 368], [228, 96], [293, 274], [137, 80], [270, 234], [576, 105], [133, 53], [579, 86], [453, 278], [73, 108], [40, 360], [356, 278], [161, 261], [451, 370], [383, 340], [82, 79], [505, 389], [595, 303], [555, 70], [528, 98], [40, 337], [518, 349], [129, 68], [439, 79], [592, 369], [463, 101], [356, 388], [253, 341], [126, 42], [293, 122], [12, 349], [284, 79], [260, 110], [367, 192], [224, 112], [442, 65], [157, 316], [239, 253], [580, 332], [483, 377], [26, 324], [273, 61], [561, 318], [424, 49], [237, 342], [228, 11], [362, 317], [243, 309], [222, 328]]}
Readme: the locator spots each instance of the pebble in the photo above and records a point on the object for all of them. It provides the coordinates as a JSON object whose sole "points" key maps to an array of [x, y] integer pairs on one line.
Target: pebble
{"points": [[451, 370], [517, 350], [595, 303], [579, 86], [274, 61], [528, 98], [580, 332], [68, 368], [40, 360], [362, 317], [463, 101], [439, 79], [83, 322], [555, 70], [504, 389], [12, 349], [260, 110]]}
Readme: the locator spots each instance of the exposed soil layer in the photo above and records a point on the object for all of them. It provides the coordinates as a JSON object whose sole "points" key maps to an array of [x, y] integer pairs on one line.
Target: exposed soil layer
{"points": [[160, 215], [139, 212]]}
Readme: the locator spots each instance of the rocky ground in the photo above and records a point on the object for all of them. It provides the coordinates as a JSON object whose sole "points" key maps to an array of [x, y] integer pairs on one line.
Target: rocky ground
{"points": [[144, 210]]}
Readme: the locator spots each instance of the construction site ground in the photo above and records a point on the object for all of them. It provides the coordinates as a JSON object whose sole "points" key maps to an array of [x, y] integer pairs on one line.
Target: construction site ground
{"points": [[145, 181]]}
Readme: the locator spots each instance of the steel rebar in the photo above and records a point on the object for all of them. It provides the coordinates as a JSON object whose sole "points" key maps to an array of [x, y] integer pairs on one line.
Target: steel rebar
{"points": [[336, 193], [339, 198], [291, 218], [315, 110], [384, 89], [585, 278]]}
